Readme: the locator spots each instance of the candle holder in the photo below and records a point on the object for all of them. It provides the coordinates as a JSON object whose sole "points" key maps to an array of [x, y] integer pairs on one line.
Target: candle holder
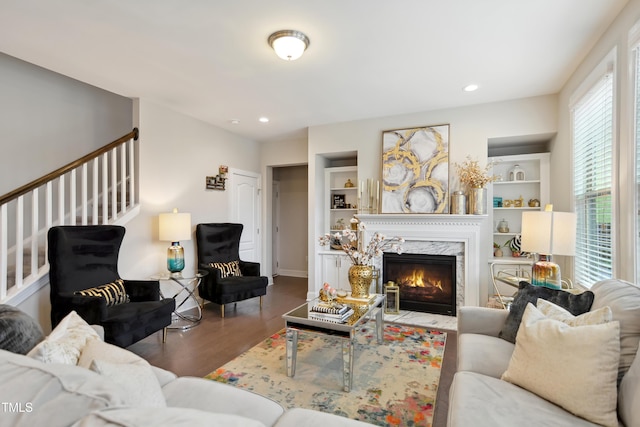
{"points": [[392, 305], [368, 196]]}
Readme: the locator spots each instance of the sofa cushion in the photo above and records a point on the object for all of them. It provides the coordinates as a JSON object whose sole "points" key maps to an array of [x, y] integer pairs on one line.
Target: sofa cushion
{"points": [[51, 395], [19, 332], [138, 382], [483, 354], [575, 367], [481, 401], [299, 417], [190, 392], [65, 342], [196, 393], [527, 293], [174, 417], [629, 396], [624, 300]]}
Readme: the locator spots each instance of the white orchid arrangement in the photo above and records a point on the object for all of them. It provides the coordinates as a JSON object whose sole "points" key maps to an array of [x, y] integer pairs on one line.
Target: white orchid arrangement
{"points": [[348, 240]]}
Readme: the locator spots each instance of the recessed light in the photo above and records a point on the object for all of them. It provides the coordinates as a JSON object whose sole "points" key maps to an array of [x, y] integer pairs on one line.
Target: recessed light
{"points": [[470, 88], [263, 120], [234, 121]]}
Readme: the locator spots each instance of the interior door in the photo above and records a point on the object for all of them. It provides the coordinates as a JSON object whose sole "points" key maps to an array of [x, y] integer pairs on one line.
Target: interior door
{"points": [[244, 192]]}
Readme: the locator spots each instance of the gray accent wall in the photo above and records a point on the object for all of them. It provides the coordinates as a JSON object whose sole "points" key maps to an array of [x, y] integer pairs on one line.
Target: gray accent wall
{"points": [[48, 120]]}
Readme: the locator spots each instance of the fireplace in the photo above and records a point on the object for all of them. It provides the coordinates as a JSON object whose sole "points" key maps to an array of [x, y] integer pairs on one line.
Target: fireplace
{"points": [[427, 282]]}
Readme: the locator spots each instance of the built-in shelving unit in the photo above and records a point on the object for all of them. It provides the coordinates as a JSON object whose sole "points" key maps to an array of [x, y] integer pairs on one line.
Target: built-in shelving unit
{"points": [[341, 201], [335, 263], [534, 186]]}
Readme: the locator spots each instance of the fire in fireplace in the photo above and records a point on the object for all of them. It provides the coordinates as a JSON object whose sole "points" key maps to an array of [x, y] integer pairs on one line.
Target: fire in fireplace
{"points": [[427, 282]]}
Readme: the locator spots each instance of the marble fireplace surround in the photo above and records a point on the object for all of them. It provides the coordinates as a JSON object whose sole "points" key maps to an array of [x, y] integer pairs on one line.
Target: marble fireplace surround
{"points": [[436, 234]]}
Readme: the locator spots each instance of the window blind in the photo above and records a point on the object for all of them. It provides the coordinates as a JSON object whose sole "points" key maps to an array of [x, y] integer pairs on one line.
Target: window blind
{"points": [[592, 121]]}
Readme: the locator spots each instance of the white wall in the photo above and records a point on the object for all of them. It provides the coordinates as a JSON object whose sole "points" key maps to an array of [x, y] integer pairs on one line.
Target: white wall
{"points": [[614, 40], [470, 129], [49, 120], [177, 152]]}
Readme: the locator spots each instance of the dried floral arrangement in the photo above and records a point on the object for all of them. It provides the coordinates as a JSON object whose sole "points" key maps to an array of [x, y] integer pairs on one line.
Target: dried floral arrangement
{"points": [[363, 256], [472, 175]]}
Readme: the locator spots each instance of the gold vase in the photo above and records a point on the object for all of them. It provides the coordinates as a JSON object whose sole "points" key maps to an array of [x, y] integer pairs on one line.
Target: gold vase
{"points": [[360, 277]]}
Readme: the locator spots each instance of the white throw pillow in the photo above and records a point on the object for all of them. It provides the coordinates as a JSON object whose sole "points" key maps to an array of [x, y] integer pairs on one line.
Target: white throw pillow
{"points": [[575, 367], [64, 343], [98, 349], [554, 311], [139, 383]]}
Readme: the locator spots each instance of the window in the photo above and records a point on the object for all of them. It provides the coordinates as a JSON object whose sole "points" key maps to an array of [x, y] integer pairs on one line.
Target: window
{"points": [[592, 125]]}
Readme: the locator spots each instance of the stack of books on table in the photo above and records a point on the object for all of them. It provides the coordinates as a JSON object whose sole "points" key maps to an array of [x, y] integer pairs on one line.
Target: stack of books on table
{"points": [[338, 313]]}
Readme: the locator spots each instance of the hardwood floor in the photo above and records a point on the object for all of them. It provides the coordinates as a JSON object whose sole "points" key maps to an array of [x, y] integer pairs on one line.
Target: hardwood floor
{"points": [[216, 341]]}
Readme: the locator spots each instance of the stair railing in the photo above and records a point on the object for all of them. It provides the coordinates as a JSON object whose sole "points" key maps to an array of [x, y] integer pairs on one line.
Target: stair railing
{"points": [[99, 188]]}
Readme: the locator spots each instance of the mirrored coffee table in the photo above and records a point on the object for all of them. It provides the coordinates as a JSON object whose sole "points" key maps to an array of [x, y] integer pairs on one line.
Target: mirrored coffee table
{"points": [[299, 319]]}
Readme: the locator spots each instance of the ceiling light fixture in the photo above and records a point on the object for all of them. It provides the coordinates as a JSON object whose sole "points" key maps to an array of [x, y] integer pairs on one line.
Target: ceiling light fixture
{"points": [[289, 44], [470, 88], [263, 120]]}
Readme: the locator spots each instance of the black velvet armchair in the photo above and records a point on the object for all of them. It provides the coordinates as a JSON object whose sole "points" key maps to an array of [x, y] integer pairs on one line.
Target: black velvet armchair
{"points": [[220, 243], [82, 257]]}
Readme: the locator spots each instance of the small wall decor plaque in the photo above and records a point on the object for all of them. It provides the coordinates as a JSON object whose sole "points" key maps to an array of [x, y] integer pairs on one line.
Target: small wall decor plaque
{"points": [[217, 182]]}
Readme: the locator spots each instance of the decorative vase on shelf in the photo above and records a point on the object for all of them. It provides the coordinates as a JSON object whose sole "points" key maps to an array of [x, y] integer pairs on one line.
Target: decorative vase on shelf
{"points": [[477, 201], [360, 278]]}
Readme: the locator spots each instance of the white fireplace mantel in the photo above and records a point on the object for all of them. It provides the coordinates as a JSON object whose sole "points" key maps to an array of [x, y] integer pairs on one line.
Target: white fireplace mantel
{"points": [[463, 229]]}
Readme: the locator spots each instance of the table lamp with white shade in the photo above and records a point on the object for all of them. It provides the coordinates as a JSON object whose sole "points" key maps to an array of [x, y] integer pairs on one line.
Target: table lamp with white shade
{"points": [[547, 233], [174, 227]]}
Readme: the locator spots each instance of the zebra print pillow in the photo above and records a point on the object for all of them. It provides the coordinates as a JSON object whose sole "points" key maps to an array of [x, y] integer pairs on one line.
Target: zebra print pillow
{"points": [[227, 268], [114, 292]]}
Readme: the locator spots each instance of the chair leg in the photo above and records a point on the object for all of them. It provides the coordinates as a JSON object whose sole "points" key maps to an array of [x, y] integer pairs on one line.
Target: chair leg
{"points": [[164, 335], [221, 310], [260, 302]]}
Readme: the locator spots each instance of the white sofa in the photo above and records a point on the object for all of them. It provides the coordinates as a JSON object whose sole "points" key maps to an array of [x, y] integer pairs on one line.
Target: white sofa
{"points": [[479, 397], [35, 393]]}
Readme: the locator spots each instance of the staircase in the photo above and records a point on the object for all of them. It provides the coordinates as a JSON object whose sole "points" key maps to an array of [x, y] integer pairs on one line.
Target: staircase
{"points": [[99, 188]]}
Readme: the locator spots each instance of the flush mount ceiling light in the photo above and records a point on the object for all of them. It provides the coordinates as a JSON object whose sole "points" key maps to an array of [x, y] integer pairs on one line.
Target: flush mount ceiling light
{"points": [[289, 44], [470, 88]]}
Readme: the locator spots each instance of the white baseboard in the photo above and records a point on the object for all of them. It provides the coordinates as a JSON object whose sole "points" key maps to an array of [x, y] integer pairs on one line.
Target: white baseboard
{"points": [[293, 273]]}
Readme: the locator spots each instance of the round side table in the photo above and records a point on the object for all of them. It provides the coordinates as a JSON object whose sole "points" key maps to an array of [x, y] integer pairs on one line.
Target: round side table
{"points": [[188, 284]]}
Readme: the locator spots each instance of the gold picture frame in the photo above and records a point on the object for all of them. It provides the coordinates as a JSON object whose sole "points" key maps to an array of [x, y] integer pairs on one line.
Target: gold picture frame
{"points": [[415, 170]]}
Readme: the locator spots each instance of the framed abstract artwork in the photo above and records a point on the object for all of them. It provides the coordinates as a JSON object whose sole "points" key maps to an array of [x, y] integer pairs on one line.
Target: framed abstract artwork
{"points": [[415, 170]]}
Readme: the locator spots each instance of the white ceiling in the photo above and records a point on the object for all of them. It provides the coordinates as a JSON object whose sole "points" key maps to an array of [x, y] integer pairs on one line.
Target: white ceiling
{"points": [[367, 58]]}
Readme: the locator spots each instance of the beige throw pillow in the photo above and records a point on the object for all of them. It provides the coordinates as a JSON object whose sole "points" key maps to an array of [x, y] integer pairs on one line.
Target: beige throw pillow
{"points": [[139, 383], [98, 349], [575, 367], [65, 342], [554, 311]]}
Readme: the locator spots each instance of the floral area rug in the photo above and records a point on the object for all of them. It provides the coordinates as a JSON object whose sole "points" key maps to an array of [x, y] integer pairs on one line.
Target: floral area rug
{"points": [[394, 384]]}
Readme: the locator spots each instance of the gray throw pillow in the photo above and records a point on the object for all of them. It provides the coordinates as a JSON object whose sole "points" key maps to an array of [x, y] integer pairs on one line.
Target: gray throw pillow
{"points": [[19, 332], [576, 304]]}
